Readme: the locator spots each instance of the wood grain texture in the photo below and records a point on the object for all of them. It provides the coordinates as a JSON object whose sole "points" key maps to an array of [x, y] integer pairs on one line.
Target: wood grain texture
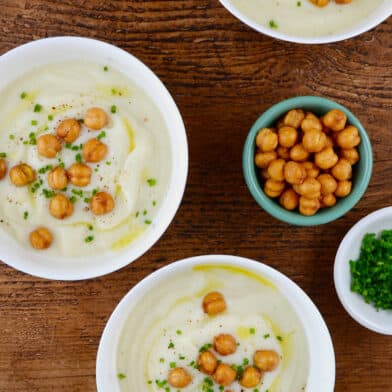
{"points": [[222, 75]]}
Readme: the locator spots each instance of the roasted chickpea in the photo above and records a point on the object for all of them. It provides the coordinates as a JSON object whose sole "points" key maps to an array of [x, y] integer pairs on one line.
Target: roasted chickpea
{"points": [[299, 153], [179, 378], [307, 206], [283, 152], [22, 174], [94, 150], [287, 136], [267, 140], [342, 170], [294, 173], [60, 206], [41, 238], [326, 158], [225, 344], [348, 138], [224, 375], [328, 200], [351, 155], [293, 118], [207, 362], [335, 120], [57, 178], [311, 169], [48, 145], [314, 140], [273, 188], [328, 184], [320, 3], [79, 174], [343, 189], [289, 199], [275, 169], [251, 377], [310, 188], [266, 360], [68, 130], [95, 119], [3, 168], [101, 203], [311, 122], [214, 303]]}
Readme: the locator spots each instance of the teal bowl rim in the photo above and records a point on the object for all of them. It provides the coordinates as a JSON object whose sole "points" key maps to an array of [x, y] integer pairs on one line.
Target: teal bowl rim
{"points": [[319, 105]]}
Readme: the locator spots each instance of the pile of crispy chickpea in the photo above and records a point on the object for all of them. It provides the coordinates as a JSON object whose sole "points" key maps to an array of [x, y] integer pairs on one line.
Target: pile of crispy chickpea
{"points": [[78, 174], [323, 3], [225, 344], [307, 161]]}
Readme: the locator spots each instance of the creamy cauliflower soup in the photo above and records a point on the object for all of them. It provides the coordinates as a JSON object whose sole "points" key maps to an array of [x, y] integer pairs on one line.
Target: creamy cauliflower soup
{"points": [[213, 328], [305, 19], [84, 160]]}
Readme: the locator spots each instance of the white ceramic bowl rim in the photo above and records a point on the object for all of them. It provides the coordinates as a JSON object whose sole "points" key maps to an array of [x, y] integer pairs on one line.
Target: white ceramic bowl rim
{"points": [[365, 314], [23, 59], [358, 29], [322, 358]]}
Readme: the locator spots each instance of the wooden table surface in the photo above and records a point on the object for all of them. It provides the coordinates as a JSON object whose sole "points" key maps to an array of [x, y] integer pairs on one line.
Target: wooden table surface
{"points": [[222, 76]]}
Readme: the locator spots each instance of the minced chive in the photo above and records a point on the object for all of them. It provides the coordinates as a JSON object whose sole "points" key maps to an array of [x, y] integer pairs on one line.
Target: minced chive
{"points": [[252, 331], [161, 360], [279, 338], [299, 4], [34, 122], [205, 347], [23, 95], [371, 273], [273, 24], [3, 155], [121, 376], [106, 68], [78, 158], [37, 108], [90, 227], [171, 345], [50, 117], [172, 365], [266, 336], [147, 222], [73, 199], [113, 109], [152, 181], [101, 135], [108, 163], [178, 332], [88, 239], [25, 215], [12, 137]]}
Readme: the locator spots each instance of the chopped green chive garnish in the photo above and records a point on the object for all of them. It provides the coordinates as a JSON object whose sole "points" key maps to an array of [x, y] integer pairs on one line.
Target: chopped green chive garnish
{"points": [[78, 158], [161, 360], [172, 365], [101, 135], [34, 122], [279, 338], [25, 215], [113, 109], [121, 376], [179, 332], [144, 212], [73, 199], [154, 203], [299, 4], [47, 193], [88, 239], [266, 336], [3, 155], [152, 181], [205, 347], [108, 163], [147, 222], [45, 169], [106, 68], [50, 117], [12, 137], [273, 24], [171, 345], [23, 95], [37, 108], [252, 331]]}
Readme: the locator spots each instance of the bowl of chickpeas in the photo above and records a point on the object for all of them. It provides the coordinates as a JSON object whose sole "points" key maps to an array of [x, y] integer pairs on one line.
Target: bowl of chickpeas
{"points": [[307, 161]]}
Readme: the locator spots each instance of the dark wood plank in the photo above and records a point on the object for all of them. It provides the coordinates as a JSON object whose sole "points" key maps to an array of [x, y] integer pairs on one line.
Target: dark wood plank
{"points": [[222, 75]]}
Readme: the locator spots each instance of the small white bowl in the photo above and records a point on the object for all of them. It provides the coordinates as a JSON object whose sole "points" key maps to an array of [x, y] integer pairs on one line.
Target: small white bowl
{"points": [[377, 17], [322, 359], [349, 249], [25, 58]]}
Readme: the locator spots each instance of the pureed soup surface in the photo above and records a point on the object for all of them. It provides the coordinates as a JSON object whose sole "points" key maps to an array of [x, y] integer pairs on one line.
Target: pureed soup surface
{"points": [[135, 171], [306, 20], [168, 327]]}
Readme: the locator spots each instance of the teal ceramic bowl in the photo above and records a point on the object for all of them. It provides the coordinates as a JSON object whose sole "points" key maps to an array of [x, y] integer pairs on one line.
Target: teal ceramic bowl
{"points": [[361, 173]]}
